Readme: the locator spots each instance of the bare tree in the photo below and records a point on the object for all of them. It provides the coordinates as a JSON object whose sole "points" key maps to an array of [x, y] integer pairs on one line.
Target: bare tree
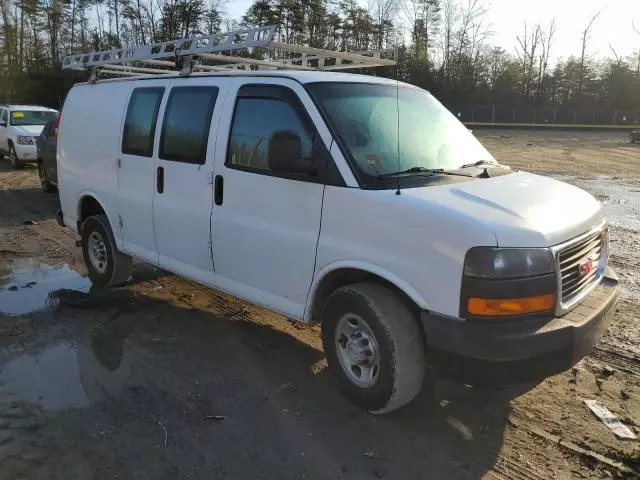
{"points": [[547, 40], [384, 12], [638, 61], [528, 44], [423, 19], [450, 17], [586, 36]]}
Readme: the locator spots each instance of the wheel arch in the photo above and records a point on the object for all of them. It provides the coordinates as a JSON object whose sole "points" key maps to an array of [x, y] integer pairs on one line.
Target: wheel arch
{"points": [[90, 204], [343, 273]]}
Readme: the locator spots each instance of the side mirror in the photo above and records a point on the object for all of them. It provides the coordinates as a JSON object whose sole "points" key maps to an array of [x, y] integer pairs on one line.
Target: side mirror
{"points": [[285, 155]]}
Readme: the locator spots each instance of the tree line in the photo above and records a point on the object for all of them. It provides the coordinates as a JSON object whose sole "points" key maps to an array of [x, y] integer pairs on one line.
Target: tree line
{"points": [[444, 46]]}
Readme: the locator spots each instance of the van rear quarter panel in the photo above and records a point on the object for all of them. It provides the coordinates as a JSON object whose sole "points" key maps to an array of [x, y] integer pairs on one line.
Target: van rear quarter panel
{"points": [[89, 140]]}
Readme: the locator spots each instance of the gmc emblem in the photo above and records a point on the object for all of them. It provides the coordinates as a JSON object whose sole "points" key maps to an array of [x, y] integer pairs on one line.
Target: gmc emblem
{"points": [[585, 268]]}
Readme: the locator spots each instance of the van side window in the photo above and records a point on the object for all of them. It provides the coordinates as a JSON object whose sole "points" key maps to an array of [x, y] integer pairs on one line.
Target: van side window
{"points": [[140, 123], [187, 119], [255, 122]]}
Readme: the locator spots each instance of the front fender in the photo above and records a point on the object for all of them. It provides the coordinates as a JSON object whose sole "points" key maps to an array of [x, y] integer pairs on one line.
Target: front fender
{"points": [[367, 267]]}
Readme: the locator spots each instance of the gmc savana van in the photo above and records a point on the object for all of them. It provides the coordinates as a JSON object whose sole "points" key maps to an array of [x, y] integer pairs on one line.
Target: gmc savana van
{"points": [[352, 201]]}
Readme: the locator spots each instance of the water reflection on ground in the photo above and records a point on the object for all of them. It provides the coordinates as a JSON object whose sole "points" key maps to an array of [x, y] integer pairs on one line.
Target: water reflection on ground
{"points": [[67, 375], [26, 284]]}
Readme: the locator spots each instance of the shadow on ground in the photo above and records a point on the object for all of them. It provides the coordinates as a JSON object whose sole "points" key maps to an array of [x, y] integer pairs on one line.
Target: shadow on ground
{"points": [[140, 388]]}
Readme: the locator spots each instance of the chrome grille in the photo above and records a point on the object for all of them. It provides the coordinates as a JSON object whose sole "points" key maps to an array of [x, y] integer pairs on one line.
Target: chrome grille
{"points": [[581, 265]]}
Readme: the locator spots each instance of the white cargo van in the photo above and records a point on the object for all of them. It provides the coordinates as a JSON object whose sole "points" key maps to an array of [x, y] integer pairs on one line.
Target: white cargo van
{"points": [[301, 192]]}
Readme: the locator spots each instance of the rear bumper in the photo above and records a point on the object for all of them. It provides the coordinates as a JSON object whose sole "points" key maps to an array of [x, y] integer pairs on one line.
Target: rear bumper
{"points": [[519, 350]]}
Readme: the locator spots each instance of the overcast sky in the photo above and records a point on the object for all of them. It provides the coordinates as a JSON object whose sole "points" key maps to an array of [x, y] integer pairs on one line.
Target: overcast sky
{"points": [[507, 16]]}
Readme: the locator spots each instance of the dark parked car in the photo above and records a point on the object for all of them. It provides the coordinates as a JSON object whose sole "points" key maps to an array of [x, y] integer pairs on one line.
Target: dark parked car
{"points": [[46, 144], [635, 135]]}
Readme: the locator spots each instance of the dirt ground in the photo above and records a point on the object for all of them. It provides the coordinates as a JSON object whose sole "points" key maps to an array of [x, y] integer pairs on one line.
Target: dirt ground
{"points": [[165, 379]]}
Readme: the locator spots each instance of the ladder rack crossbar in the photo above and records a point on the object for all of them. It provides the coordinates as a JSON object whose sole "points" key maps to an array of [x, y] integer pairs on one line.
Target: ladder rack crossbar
{"points": [[188, 55]]}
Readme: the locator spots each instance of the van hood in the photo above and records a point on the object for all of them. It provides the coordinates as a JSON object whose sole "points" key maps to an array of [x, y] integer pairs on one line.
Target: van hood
{"points": [[522, 209], [29, 130]]}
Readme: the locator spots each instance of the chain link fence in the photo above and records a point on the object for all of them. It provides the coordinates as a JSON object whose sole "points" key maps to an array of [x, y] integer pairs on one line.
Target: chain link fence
{"points": [[547, 115]]}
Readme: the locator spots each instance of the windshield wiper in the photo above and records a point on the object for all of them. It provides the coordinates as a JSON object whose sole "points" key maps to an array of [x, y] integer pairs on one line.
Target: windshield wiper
{"points": [[411, 170], [479, 163]]}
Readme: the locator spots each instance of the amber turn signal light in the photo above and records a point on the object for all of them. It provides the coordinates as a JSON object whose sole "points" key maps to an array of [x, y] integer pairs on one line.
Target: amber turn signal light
{"points": [[489, 307]]}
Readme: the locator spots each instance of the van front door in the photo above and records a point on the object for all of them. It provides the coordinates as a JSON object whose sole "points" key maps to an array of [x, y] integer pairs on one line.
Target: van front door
{"points": [[136, 172], [266, 218], [183, 192]]}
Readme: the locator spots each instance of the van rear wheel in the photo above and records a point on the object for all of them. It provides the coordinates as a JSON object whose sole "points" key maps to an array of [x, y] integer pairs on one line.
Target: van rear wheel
{"points": [[106, 265], [373, 346]]}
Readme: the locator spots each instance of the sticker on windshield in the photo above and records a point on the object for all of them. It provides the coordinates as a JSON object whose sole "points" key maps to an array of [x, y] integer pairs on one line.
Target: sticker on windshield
{"points": [[17, 114], [374, 160]]}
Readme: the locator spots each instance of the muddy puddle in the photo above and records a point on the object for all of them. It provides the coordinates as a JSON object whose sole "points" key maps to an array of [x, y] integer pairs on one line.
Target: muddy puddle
{"points": [[26, 284], [620, 201], [67, 375]]}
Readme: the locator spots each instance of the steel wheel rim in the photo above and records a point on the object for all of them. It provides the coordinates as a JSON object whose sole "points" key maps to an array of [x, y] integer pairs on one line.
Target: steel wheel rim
{"points": [[357, 350], [97, 250]]}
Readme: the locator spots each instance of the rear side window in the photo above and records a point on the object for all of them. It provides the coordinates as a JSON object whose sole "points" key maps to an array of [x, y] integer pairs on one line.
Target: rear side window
{"points": [[140, 123], [187, 119]]}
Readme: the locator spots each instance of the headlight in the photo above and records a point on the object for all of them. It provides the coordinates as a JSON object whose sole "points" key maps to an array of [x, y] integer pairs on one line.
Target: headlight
{"points": [[24, 140], [497, 263]]}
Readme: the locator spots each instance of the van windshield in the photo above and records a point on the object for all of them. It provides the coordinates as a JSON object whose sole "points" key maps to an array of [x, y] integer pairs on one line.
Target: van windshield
{"points": [[365, 117], [20, 118]]}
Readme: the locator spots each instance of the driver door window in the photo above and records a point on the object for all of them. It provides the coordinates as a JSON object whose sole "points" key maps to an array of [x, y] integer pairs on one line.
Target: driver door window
{"points": [[251, 135]]}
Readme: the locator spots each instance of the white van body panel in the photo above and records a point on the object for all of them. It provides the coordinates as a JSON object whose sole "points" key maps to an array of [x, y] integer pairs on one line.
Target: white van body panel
{"points": [[182, 212], [273, 240], [412, 241], [523, 209], [89, 146], [267, 224]]}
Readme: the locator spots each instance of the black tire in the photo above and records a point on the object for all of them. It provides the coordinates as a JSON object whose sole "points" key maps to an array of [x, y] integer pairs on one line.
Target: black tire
{"points": [[116, 267], [45, 183], [401, 353], [15, 162]]}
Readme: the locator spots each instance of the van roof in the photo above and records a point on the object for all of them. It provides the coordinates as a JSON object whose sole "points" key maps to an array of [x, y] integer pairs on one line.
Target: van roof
{"points": [[300, 76]]}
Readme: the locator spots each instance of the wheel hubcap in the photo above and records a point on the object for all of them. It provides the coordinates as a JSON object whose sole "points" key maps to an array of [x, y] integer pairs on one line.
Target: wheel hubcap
{"points": [[97, 250], [358, 351]]}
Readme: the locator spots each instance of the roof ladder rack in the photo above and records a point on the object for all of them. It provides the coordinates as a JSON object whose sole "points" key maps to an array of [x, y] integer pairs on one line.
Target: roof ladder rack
{"points": [[204, 53]]}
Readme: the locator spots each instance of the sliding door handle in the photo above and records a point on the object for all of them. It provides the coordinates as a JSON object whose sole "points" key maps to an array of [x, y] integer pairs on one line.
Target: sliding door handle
{"points": [[218, 190], [160, 179]]}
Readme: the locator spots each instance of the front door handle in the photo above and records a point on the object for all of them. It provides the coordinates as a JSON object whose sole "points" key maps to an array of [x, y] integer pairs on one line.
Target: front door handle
{"points": [[218, 189], [160, 179]]}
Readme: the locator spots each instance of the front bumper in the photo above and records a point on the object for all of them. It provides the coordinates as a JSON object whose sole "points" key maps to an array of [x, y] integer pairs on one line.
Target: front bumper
{"points": [[519, 350], [26, 152]]}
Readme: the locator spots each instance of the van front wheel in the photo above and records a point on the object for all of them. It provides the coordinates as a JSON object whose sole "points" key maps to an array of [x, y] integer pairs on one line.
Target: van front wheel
{"points": [[106, 265], [373, 346]]}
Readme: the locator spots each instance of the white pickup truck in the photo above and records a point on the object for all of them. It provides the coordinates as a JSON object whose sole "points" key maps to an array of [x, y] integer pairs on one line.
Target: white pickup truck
{"points": [[348, 200]]}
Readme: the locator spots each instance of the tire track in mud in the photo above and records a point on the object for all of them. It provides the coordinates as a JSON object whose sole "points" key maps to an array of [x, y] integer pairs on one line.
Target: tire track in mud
{"points": [[630, 365], [508, 469]]}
